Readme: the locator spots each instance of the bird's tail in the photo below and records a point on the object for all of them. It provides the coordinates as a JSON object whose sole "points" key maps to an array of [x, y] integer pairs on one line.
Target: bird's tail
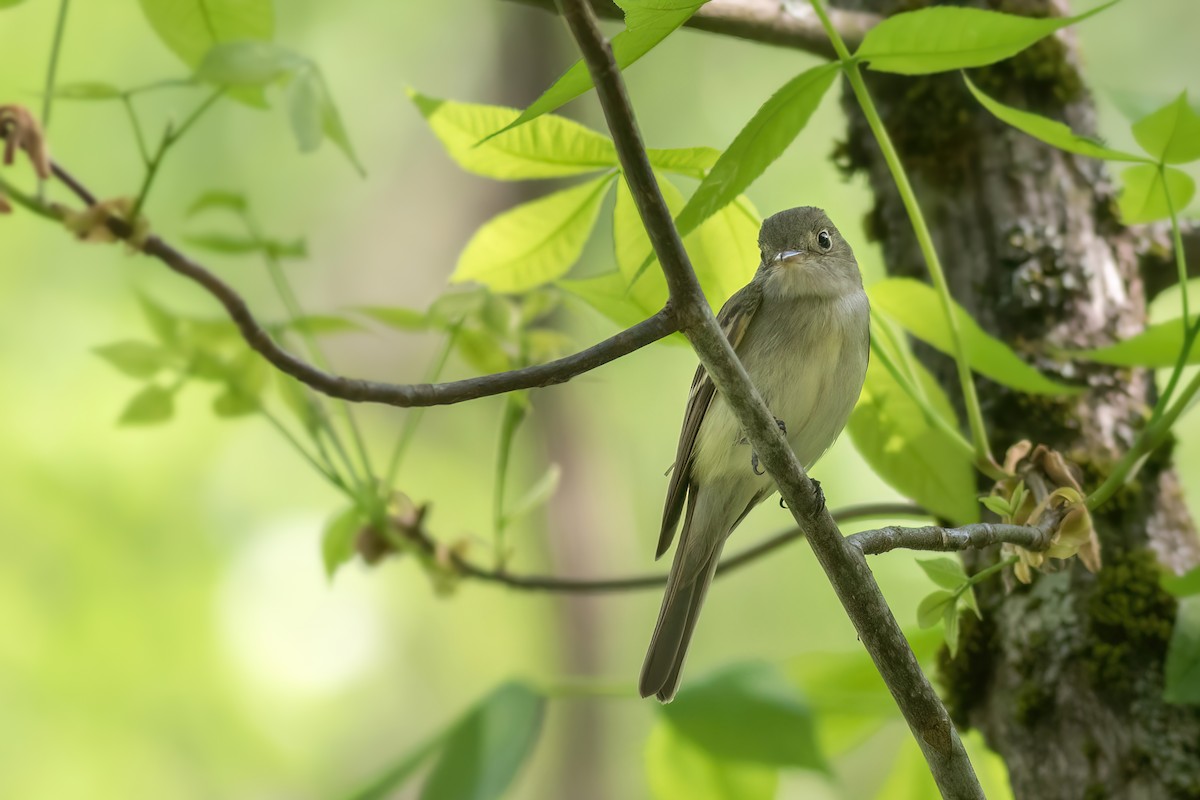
{"points": [[691, 573]]}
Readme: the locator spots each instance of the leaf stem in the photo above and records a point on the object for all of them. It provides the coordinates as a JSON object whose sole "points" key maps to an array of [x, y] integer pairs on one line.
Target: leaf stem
{"points": [[413, 420], [514, 413], [52, 68], [984, 574], [139, 137], [170, 137], [982, 450]]}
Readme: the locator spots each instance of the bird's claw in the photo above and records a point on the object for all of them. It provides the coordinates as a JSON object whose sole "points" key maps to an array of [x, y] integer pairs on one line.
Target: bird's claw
{"points": [[820, 494], [754, 464]]}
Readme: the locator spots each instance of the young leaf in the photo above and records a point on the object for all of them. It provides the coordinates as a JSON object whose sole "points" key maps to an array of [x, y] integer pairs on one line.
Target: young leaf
{"points": [[1052, 132], [164, 324], [533, 243], [295, 395], [997, 505], [677, 768], [244, 245], [482, 351], [914, 456], [758, 144], [945, 572], [457, 305], [189, 28], [485, 750], [1172, 133], [1157, 346], [536, 496], [1183, 655], [550, 147], [748, 712], [384, 787], [10, 3], [402, 319], [1184, 585], [607, 294], [916, 307], [321, 324], [217, 199], [695, 162], [337, 540], [233, 403], [313, 115], [136, 359], [968, 600], [246, 63], [950, 627], [151, 405], [933, 607], [87, 90], [647, 22], [1143, 195], [943, 38]]}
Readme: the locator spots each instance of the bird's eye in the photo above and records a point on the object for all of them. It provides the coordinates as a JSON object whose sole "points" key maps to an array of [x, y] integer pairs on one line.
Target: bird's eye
{"points": [[825, 241]]}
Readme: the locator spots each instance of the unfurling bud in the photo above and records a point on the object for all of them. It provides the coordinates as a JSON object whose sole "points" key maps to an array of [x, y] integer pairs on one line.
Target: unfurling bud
{"points": [[1042, 481]]}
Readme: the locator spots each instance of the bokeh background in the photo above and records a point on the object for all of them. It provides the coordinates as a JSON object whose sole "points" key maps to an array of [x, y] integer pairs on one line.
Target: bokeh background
{"points": [[166, 627]]}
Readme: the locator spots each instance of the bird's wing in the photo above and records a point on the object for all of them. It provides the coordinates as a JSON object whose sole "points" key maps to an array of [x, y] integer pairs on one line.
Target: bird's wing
{"points": [[734, 318]]}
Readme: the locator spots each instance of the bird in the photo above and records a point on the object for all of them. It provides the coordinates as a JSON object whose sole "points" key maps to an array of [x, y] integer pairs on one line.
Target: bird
{"points": [[801, 328]]}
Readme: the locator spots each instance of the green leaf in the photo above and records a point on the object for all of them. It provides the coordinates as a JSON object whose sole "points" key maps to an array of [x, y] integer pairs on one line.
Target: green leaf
{"points": [[914, 456], [1143, 196], [295, 395], [482, 351], [137, 359], [1052, 132], [384, 787], [997, 505], [456, 305], [918, 309], [647, 22], [10, 3], [760, 142], [313, 115], [748, 712], [724, 251], [945, 572], [1157, 346], [231, 244], [933, 607], [233, 403], [1182, 585], [190, 28], [534, 243], [943, 38], [950, 628], [607, 294], [217, 199], [246, 63], [485, 750], [536, 496], [87, 90], [695, 162], [164, 324], [679, 769], [338, 539], [1172, 133], [150, 406], [1183, 655], [402, 319], [968, 600], [322, 324], [549, 147]]}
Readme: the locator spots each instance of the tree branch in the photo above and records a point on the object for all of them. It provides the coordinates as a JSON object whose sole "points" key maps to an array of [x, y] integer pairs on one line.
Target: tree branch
{"points": [[375, 547], [657, 327], [983, 534], [844, 564], [763, 21]]}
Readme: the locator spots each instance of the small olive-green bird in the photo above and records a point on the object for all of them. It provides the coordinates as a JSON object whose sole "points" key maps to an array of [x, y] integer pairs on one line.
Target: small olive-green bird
{"points": [[801, 327]]}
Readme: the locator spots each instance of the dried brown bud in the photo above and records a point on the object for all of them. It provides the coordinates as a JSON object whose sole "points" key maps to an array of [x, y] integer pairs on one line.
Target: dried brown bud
{"points": [[22, 132]]}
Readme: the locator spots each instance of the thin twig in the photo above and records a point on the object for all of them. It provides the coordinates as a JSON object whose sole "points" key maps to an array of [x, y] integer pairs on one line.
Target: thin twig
{"points": [[551, 583], [763, 21], [983, 534], [561, 370], [844, 564]]}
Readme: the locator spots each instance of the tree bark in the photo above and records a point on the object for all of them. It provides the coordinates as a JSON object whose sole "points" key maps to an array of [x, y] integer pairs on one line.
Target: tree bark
{"points": [[1063, 677]]}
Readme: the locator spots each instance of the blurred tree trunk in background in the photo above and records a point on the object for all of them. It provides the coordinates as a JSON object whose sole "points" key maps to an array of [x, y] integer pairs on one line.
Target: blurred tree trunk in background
{"points": [[1064, 677]]}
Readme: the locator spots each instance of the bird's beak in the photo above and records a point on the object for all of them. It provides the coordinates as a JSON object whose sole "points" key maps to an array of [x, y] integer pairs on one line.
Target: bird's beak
{"points": [[787, 255]]}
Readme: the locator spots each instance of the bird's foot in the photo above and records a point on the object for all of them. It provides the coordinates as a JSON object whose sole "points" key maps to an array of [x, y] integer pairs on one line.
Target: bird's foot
{"points": [[820, 494], [754, 456]]}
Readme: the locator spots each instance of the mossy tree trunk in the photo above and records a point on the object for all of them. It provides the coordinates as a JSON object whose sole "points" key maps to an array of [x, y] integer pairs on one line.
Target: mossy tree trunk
{"points": [[1064, 677]]}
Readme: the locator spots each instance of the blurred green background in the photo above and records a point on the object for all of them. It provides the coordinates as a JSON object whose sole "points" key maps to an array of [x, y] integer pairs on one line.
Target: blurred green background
{"points": [[166, 627]]}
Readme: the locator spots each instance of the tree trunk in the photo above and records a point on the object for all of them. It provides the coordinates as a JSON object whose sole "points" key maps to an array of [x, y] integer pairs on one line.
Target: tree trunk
{"points": [[1063, 677]]}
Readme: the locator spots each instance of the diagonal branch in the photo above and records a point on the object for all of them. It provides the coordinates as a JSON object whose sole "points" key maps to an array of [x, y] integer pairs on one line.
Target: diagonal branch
{"points": [[844, 564], [764, 21], [648, 331]]}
